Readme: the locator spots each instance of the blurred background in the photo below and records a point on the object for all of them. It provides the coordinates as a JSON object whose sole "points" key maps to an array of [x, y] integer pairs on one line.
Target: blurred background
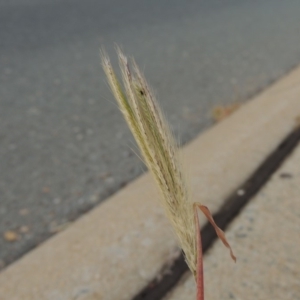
{"points": [[64, 144]]}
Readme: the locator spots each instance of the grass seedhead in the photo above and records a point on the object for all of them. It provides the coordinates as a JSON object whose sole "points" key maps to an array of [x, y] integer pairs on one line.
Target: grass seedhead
{"points": [[159, 150]]}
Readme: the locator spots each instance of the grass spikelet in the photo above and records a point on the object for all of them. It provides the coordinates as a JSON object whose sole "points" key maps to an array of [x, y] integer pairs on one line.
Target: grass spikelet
{"points": [[158, 147]]}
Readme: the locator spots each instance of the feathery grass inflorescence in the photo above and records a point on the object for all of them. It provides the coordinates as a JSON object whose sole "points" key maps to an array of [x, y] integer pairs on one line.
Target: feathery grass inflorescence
{"points": [[158, 148]]}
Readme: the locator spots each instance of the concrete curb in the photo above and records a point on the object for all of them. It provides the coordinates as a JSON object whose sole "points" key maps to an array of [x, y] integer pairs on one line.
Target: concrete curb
{"points": [[266, 240], [116, 249]]}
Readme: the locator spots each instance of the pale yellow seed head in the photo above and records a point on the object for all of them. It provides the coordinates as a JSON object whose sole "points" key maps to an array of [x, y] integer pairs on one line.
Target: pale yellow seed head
{"points": [[158, 148]]}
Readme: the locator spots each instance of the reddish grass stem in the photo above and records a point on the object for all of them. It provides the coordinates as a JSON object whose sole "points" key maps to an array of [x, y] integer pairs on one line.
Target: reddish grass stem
{"points": [[199, 266]]}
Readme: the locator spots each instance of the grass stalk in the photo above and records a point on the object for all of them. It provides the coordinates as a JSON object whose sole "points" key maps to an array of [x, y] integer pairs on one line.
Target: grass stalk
{"points": [[159, 150]]}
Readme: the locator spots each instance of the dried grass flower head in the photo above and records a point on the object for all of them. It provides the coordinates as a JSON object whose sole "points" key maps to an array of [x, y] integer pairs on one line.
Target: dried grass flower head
{"points": [[158, 148]]}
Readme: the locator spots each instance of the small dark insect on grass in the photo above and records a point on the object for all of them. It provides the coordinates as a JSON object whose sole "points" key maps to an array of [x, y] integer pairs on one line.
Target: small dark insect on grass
{"points": [[159, 150]]}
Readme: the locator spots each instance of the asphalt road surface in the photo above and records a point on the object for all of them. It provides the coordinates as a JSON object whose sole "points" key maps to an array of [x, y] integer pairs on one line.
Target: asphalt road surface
{"points": [[64, 145]]}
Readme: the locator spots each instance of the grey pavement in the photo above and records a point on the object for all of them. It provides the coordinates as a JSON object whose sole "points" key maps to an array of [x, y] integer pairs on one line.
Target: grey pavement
{"points": [[265, 238], [64, 145]]}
